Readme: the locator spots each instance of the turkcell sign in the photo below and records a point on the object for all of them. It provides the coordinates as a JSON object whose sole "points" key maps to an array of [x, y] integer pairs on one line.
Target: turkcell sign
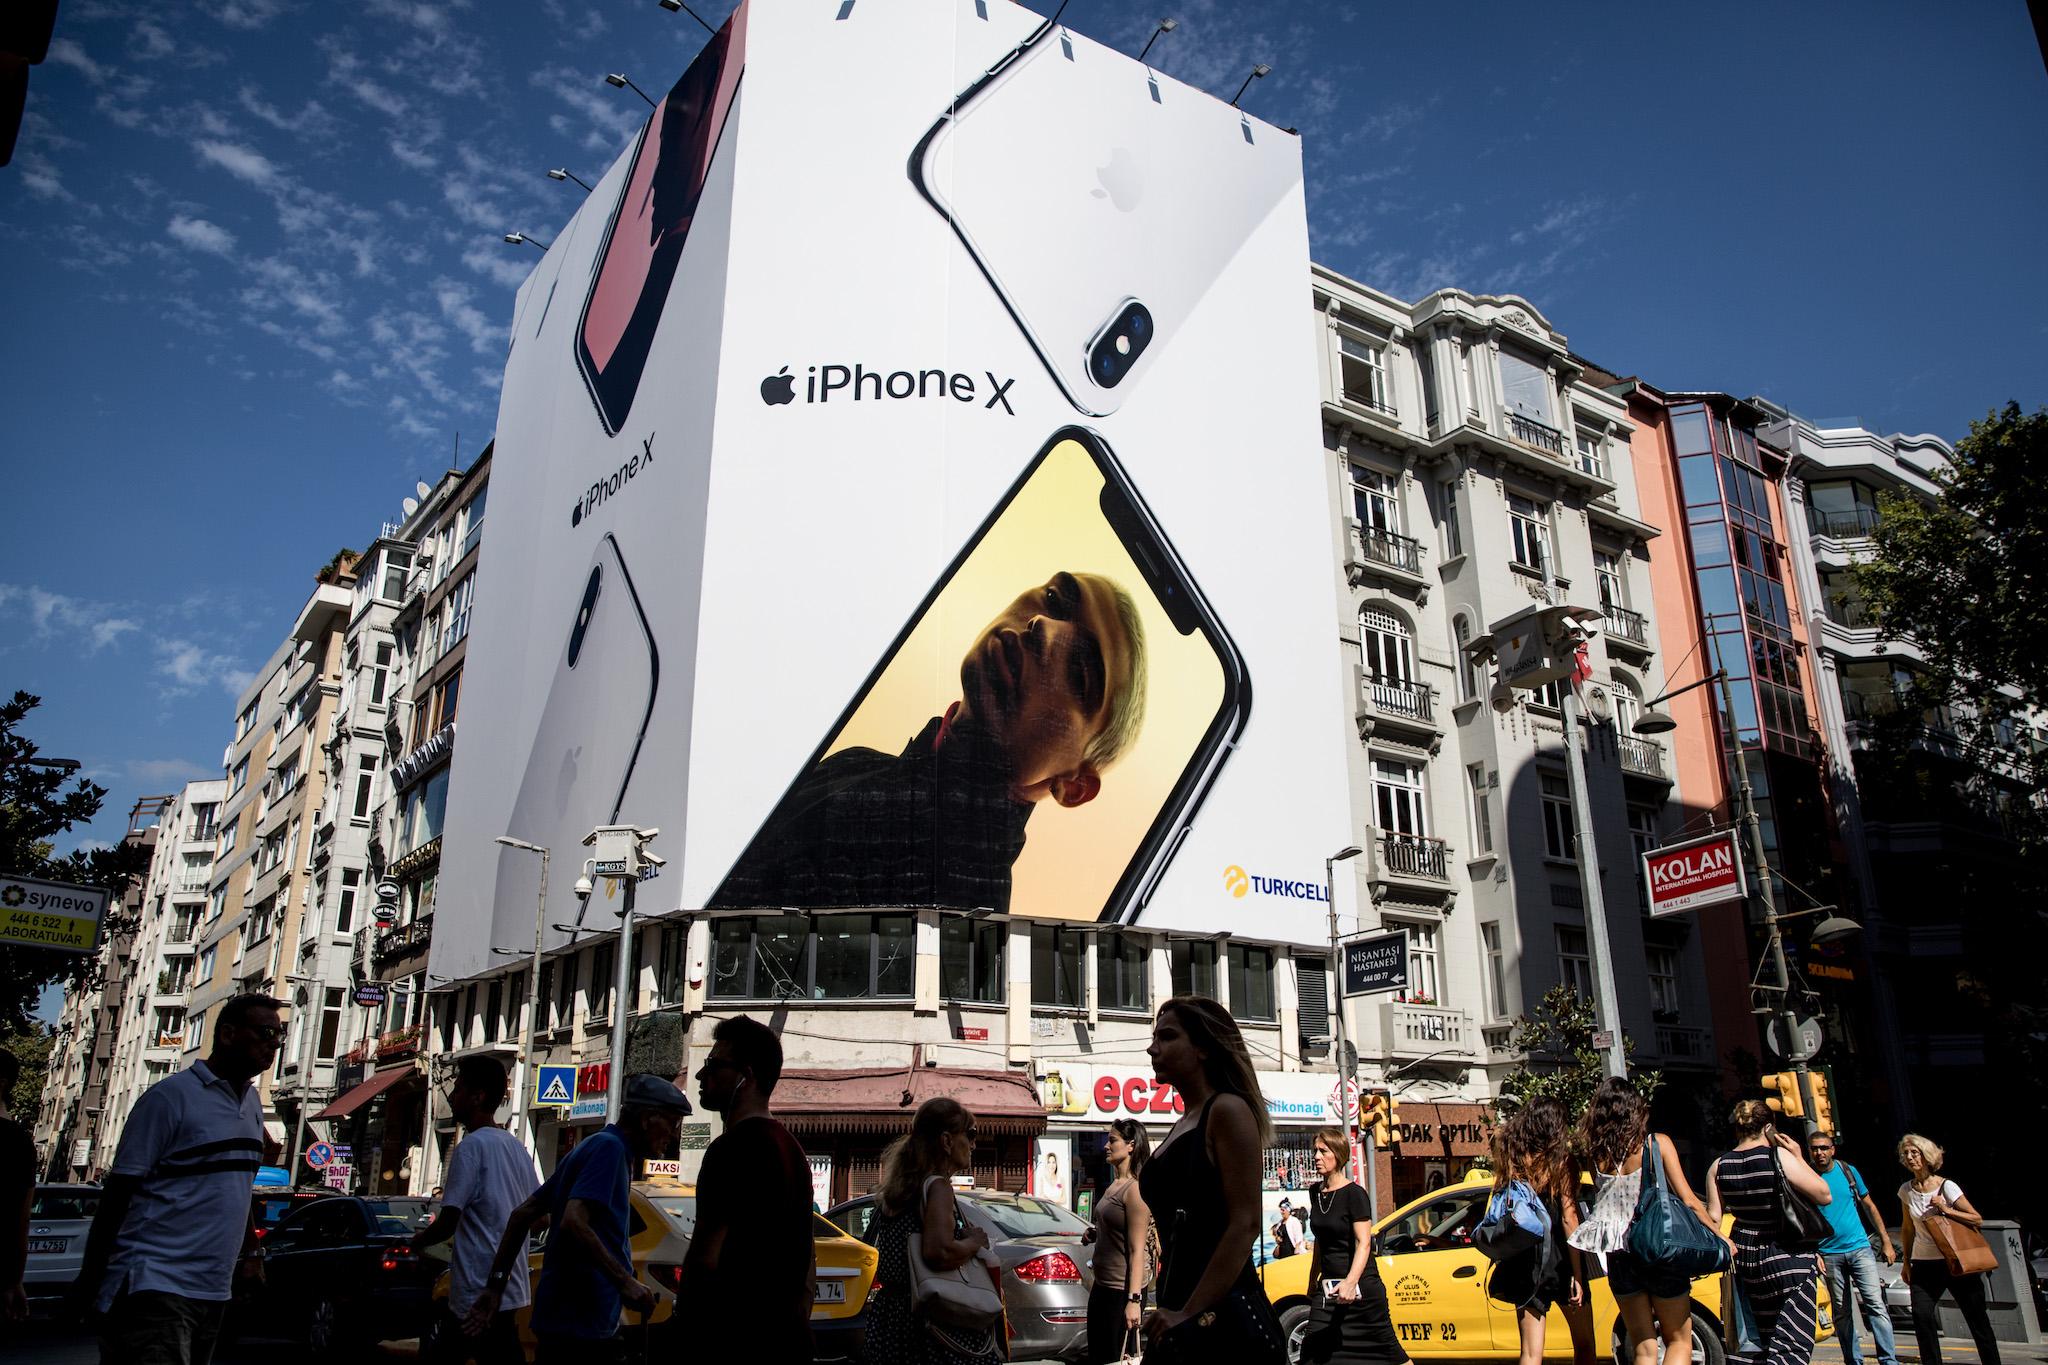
{"points": [[1376, 963], [1695, 874]]}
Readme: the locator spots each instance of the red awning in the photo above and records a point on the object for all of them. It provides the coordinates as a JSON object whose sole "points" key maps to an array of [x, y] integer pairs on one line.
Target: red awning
{"points": [[355, 1099], [883, 1099]]}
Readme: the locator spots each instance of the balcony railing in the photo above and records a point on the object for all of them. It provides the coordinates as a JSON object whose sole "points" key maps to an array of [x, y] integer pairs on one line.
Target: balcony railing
{"points": [[1861, 521], [1426, 1031], [401, 939], [169, 1038], [182, 932], [195, 834], [1644, 757], [1414, 855], [1372, 546], [1531, 432], [1628, 625], [174, 983], [1851, 613], [1365, 398], [1394, 696], [399, 1041], [1683, 1044]]}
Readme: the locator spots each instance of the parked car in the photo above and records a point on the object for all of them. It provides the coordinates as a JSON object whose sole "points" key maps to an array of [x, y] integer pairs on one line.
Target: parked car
{"points": [[1046, 1271], [339, 1274], [1436, 1290], [59, 1216], [268, 1205], [845, 1278]]}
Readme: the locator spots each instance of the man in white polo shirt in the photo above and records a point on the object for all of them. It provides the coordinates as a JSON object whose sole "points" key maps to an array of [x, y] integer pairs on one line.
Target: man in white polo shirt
{"points": [[174, 1217]]}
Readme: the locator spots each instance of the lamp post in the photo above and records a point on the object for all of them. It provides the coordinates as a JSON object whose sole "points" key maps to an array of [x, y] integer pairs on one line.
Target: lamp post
{"points": [[540, 915], [1346, 1067], [621, 854], [1661, 722], [318, 1003]]}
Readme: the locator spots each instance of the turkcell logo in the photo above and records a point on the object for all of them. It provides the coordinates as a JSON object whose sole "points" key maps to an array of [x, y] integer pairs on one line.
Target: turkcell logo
{"points": [[1241, 883]]}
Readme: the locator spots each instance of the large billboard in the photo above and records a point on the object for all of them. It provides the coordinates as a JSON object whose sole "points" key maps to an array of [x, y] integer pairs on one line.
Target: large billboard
{"points": [[908, 491]]}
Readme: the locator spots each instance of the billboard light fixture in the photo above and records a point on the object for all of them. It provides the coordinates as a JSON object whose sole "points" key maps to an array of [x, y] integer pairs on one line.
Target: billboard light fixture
{"points": [[1262, 69], [564, 173], [673, 5], [521, 239], [619, 80], [1165, 26]]}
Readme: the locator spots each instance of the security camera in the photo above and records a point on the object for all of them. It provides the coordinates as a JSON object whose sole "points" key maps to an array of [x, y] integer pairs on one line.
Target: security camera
{"points": [[1502, 697], [584, 886]]}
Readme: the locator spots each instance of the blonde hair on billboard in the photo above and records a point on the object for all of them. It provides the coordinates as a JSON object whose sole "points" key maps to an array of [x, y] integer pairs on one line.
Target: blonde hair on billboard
{"points": [[1127, 704]]}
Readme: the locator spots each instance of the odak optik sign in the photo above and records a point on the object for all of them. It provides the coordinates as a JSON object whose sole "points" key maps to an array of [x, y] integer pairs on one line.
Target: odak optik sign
{"points": [[1695, 874]]}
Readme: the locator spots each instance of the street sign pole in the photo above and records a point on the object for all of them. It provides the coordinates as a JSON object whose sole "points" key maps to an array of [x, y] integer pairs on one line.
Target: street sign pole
{"points": [[1346, 1067]]}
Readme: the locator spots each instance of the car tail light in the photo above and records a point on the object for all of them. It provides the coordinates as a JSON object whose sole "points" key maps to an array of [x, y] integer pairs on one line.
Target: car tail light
{"points": [[399, 1257], [669, 1277], [261, 1233], [1052, 1266]]}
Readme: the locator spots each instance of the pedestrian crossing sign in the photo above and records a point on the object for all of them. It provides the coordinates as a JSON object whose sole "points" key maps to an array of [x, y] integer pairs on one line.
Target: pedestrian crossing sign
{"points": [[554, 1085]]}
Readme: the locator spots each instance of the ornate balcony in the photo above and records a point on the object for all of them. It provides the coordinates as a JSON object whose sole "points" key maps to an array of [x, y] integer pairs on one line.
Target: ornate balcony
{"points": [[1531, 432], [1372, 551], [1417, 1031], [1677, 1043], [1414, 855], [1642, 757], [402, 940], [1851, 525], [1628, 628], [1398, 709]]}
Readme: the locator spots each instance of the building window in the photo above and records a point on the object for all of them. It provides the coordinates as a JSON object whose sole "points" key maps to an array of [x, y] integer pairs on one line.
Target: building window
{"points": [[515, 1004], [1386, 648], [1376, 499], [1397, 797], [330, 1025], [1662, 966], [345, 905], [1057, 956], [1592, 453], [971, 959], [1557, 819], [494, 1008], [602, 959], [1121, 979], [458, 613], [1496, 970], [842, 957], [1642, 831], [1467, 666], [1525, 388], [1574, 967], [1363, 365], [1251, 982], [446, 693], [1529, 531], [860, 957], [380, 676], [565, 989], [239, 780], [1607, 571], [1424, 985], [366, 785], [1481, 812], [672, 973], [1447, 519], [474, 515], [1194, 967], [1549, 696]]}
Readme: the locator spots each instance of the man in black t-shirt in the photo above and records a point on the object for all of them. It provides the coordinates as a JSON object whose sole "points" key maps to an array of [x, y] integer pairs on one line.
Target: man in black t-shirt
{"points": [[749, 1278], [17, 1190]]}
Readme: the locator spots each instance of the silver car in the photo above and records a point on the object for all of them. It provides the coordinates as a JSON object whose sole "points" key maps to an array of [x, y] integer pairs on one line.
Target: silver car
{"points": [[59, 1216], [1046, 1274]]}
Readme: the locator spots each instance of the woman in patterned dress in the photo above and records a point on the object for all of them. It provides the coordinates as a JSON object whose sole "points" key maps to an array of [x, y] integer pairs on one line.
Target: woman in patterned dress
{"points": [[916, 1201], [1777, 1281]]}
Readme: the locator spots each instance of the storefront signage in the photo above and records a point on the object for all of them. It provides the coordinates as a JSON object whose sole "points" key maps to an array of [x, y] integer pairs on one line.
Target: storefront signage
{"points": [[1376, 963], [370, 993], [1695, 874], [969, 1034], [585, 1110], [54, 915], [1080, 1093], [338, 1175], [594, 1079]]}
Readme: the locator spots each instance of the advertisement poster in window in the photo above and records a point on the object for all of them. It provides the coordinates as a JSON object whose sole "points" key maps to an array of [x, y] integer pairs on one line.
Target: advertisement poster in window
{"points": [[941, 558]]}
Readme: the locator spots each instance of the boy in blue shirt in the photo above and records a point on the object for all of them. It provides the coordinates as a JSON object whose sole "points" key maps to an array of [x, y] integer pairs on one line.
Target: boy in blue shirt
{"points": [[1847, 1255]]}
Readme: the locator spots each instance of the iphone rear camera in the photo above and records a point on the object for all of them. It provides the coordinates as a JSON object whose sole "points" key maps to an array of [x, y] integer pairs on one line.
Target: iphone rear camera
{"points": [[576, 632], [1118, 346]]}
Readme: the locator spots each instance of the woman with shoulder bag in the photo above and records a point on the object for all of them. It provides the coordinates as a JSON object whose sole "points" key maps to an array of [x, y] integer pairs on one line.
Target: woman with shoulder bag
{"points": [[1655, 1300], [1202, 1186], [1776, 1279], [1534, 1147], [1932, 1209], [1348, 1321], [1121, 1234], [916, 1217]]}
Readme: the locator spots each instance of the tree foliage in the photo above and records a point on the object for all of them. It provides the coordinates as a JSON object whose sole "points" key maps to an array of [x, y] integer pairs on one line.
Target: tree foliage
{"points": [[32, 1050], [36, 806], [1965, 577], [1559, 1060]]}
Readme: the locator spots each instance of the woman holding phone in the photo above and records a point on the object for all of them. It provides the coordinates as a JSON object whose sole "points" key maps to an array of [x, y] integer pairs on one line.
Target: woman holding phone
{"points": [[1777, 1281], [1348, 1322]]}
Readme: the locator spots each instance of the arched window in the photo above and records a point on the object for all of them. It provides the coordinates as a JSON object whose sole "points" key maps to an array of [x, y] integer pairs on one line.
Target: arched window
{"points": [[1468, 669], [1628, 706], [1387, 646]]}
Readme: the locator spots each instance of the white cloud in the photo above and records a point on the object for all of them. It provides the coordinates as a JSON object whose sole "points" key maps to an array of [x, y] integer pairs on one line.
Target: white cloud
{"points": [[201, 235], [242, 162], [191, 666], [65, 52], [244, 14], [166, 773], [312, 119], [40, 177], [485, 336], [52, 614], [496, 263]]}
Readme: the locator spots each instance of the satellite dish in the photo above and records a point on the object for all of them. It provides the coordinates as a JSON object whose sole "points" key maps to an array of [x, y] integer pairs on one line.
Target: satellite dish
{"points": [[1599, 703], [421, 488], [411, 505]]}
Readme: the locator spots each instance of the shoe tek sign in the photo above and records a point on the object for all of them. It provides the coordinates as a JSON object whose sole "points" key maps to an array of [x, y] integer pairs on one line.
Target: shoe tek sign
{"points": [[1695, 874]]}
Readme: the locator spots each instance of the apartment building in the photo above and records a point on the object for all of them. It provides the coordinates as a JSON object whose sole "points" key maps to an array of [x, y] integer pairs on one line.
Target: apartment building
{"points": [[150, 1042]]}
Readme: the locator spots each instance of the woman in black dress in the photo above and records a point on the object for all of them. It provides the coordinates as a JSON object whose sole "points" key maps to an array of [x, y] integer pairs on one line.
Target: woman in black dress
{"points": [[1777, 1281], [1202, 1186], [1351, 1326]]}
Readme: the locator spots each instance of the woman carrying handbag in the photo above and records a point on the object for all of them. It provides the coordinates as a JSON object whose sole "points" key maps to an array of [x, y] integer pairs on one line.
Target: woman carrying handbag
{"points": [[1945, 1251], [1775, 1267], [1348, 1321], [936, 1303], [1122, 1241]]}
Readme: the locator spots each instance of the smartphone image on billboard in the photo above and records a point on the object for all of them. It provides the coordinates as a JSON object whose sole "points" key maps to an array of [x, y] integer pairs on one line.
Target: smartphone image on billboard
{"points": [[1099, 202], [650, 225], [1040, 733], [587, 745]]}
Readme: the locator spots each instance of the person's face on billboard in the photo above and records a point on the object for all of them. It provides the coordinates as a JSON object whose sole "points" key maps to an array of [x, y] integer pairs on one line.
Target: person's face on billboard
{"points": [[1043, 678]]}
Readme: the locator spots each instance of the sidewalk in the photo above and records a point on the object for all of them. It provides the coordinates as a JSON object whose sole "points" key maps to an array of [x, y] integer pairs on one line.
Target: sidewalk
{"points": [[1953, 1352]]}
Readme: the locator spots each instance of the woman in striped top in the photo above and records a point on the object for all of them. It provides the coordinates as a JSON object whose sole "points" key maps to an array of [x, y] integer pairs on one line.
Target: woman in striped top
{"points": [[1777, 1282]]}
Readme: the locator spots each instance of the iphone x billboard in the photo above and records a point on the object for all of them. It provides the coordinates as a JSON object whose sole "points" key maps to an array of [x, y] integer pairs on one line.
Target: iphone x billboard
{"points": [[908, 492]]}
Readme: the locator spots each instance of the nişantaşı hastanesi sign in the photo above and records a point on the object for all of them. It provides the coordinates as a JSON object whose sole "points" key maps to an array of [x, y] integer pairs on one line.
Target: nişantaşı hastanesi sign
{"points": [[1695, 874]]}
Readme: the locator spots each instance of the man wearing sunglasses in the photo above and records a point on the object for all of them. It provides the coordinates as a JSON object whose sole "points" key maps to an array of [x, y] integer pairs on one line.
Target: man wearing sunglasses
{"points": [[173, 1220]]}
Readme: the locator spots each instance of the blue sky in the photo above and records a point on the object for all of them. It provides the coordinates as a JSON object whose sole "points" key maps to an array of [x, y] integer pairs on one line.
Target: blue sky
{"points": [[256, 288]]}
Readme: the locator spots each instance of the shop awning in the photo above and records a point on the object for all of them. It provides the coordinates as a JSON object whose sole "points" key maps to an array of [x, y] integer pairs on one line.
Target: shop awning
{"points": [[355, 1099], [883, 1099]]}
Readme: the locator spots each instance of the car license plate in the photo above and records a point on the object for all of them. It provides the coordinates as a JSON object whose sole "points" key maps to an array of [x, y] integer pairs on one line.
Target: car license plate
{"points": [[831, 1291], [48, 1246]]}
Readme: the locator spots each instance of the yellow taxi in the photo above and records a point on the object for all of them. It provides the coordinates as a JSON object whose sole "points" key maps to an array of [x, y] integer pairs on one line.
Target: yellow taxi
{"points": [[1436, 1290], [662, 1216]]}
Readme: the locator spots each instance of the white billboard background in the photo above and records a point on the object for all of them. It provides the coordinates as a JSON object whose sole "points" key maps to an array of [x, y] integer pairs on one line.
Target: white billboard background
{"points": [[777, 550]]}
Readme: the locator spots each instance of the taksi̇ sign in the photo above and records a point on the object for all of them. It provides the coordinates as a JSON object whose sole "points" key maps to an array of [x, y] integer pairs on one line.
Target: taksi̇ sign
{"points": [[1695, 874], [55, 915]]}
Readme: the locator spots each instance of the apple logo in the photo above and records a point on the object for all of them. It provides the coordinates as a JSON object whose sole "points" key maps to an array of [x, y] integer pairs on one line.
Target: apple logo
{"points": [[1122, 181], [576, 513], [778, 388]]}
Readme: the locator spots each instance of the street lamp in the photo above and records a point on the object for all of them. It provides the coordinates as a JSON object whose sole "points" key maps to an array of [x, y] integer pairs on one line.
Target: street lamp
{"points": [[619, 80], [1346, 1065], [318, 1003], [1831, 929], [540, 915], [1260, 70], [62, 765], [560, 173]]}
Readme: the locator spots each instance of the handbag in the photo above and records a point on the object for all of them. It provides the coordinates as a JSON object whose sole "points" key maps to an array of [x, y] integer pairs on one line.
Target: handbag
{"points": [[1801, 1225], [1665, 1231], [965, 1297], [1962, 1246], [1515, 1221], [1738, 1320], [1132, 1351]]}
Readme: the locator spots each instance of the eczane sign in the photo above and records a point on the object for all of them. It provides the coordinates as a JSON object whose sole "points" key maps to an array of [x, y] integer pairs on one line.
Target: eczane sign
{"points": [[1695, 874]]}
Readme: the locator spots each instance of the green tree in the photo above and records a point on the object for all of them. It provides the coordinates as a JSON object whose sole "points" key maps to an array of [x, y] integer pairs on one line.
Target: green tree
{"points": [[35, 807], [1559, 1061], [32, 1049]]}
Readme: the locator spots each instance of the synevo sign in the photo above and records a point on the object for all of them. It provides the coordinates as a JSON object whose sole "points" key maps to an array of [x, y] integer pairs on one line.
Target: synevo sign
{"points": [[1695, 874]]}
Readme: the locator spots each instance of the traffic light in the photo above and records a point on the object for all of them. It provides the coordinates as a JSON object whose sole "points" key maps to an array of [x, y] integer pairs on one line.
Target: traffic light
{"points": [[1786, 1100], [1372, 1116], [1823, 1110], [1393, 1118]]}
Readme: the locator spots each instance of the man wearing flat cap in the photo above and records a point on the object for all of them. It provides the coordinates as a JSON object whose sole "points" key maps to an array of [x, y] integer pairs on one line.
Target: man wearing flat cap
{"points": [[586, 1274]]}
